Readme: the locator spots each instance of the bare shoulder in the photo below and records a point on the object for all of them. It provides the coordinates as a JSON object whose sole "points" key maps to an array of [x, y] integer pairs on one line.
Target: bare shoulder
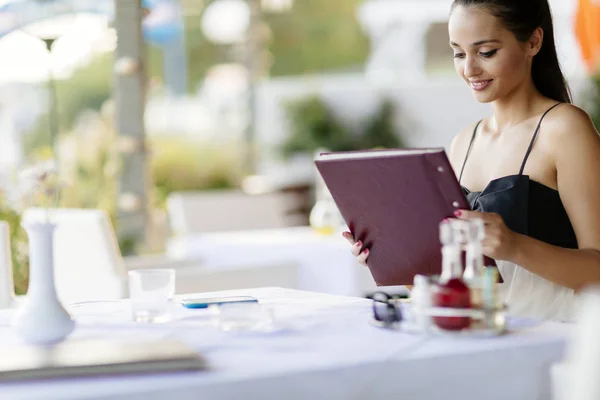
{"points": [[568, 120], [570, 126], [460, 145]]}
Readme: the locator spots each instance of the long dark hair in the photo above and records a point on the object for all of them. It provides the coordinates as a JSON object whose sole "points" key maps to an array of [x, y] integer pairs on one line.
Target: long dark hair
{"points": [[522, 18]]}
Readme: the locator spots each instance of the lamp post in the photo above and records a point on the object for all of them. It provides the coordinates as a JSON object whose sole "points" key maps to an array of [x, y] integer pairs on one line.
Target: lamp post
{"points": [[48, 31], [53, 117], [48, 20]]}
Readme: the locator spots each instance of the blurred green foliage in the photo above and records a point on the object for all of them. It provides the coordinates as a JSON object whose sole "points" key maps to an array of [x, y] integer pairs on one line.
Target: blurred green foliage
{"points": [[315, 126], [179, 164], [379, 129], [315, 36], [90, 161], [318, 36]]}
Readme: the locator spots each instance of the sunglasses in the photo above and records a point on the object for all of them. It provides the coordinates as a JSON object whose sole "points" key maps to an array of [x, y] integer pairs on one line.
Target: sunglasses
{"points": [[385, 307]]}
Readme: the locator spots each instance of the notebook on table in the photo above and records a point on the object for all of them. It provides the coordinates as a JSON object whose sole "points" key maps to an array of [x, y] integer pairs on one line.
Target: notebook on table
{"points": [[78, 358], [393, 201]]}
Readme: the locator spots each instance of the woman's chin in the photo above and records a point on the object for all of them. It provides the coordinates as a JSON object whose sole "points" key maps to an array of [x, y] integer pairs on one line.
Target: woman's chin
{"points": [[484, 97]]}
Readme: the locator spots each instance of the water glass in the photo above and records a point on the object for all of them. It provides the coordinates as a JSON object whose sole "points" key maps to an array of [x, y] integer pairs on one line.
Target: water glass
{"points": [[151, 292]]}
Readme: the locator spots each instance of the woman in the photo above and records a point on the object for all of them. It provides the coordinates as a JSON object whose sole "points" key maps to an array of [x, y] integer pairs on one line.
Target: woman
{"points": [[531, 170]]}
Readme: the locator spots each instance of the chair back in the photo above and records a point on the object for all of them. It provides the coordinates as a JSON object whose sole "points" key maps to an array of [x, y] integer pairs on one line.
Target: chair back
{"points": [[229, 210], [87, 261]]}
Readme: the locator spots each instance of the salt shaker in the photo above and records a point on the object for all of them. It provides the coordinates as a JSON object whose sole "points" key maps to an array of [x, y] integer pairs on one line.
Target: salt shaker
{"points": [[420, 297]]}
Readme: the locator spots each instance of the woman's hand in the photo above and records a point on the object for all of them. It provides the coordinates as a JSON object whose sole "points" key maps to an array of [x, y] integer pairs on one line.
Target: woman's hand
{"points": [[499, 243], [357, 249]]}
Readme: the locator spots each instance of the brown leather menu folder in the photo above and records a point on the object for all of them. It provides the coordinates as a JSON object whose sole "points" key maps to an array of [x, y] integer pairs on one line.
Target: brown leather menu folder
{"points": [[393, 201]]}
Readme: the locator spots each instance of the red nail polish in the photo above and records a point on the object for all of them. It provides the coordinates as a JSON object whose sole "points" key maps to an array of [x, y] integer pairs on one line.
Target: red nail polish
{"points": [[457, 213]]}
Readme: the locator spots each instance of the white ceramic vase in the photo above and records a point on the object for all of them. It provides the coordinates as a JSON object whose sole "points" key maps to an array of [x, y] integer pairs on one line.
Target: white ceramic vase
{"points": [[42, 319]]}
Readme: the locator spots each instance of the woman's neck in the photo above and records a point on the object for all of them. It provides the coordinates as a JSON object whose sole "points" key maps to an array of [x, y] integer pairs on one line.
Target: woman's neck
{"points": [[515, 107]]}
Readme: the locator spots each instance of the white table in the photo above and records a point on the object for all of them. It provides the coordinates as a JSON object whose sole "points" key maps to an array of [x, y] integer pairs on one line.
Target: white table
{"points": [[330, 352], [324, 262]]}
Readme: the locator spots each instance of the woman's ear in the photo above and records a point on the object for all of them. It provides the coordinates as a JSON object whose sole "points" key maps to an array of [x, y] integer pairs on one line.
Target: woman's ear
{"points": [[535, 42]]}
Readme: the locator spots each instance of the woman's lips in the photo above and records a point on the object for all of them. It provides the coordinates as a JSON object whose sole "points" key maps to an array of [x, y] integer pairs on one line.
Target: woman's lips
{"points": [[480, 85]]}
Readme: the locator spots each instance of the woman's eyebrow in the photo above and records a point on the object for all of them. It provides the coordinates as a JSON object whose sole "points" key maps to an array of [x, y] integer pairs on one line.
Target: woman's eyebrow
{"points": [[478, 43]]}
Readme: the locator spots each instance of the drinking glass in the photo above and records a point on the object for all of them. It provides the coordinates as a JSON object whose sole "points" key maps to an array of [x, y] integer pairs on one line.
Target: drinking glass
{"points": [[151, 292]]}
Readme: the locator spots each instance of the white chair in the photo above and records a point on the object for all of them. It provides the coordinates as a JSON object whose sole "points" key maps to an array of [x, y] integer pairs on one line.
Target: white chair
{"points": [[230, 210], [89, 266], [87, 260]]}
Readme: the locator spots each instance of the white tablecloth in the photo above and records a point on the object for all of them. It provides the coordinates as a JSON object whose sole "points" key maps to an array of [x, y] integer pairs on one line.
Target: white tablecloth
{"points": [[325, 262], [329, 351]]}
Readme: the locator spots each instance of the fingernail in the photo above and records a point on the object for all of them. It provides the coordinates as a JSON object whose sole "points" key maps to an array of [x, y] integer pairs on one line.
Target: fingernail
{"points": [[446, 220], [358, 244], [365, 251], [457, 213]]}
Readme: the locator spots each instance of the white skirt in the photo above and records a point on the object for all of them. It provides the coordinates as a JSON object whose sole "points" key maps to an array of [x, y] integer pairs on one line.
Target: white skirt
{"points": [[531, 296]]}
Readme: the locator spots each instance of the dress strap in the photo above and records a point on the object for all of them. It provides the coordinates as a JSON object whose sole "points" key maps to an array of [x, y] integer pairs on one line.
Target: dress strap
{"points": [[537, 130], [468, 151]]}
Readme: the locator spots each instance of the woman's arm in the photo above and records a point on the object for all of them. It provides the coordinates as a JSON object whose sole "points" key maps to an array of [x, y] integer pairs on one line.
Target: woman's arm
{"points": [[572, 268]]}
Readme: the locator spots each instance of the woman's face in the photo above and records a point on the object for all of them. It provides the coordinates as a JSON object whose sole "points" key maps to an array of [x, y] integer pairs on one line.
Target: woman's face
{"points": [[486, 55]]}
